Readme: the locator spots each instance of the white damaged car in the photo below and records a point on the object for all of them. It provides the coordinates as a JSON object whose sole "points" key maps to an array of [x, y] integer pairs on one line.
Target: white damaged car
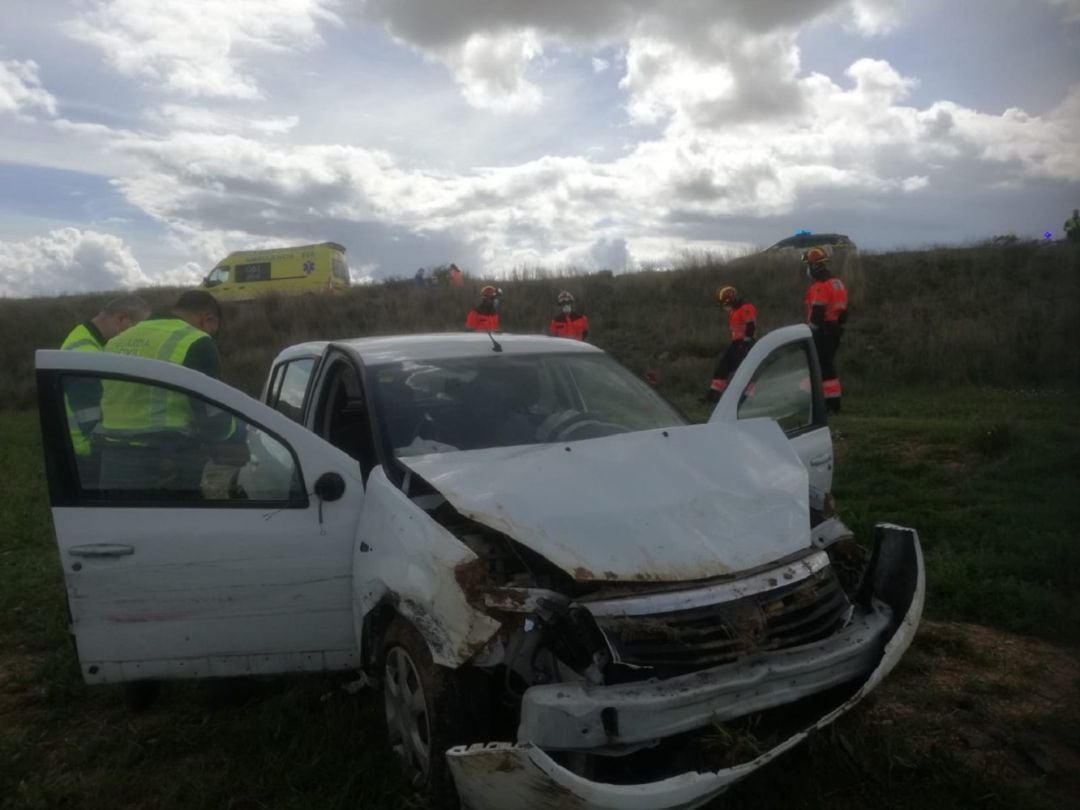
{"points": [[563, 590]]}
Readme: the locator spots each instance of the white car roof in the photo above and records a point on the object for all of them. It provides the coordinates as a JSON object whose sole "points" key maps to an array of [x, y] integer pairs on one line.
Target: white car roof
{"points": [[437, 346]]}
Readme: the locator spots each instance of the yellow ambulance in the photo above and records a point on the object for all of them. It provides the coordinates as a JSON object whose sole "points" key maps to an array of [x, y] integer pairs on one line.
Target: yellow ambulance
{"points": [[287, 271]]}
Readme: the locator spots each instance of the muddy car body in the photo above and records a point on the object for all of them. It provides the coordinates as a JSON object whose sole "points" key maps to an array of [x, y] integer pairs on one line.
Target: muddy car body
{"points": [[560, 586]]}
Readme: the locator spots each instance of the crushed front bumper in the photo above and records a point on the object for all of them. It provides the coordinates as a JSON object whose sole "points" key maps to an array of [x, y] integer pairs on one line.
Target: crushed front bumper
{"points": [[499, 775]]}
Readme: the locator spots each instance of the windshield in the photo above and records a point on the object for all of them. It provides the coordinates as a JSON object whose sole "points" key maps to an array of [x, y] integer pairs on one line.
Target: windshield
{"points": [[219, 275], [439, 406]]}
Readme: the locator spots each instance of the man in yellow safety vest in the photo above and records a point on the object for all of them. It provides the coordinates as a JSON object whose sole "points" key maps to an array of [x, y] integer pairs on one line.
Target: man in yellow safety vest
{"points": [[156, 438], [83, 394]]}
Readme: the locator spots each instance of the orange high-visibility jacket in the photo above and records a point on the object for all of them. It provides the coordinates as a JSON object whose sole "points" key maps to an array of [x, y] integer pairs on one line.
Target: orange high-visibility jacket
{"points": [[569, 325], [482, 322], [831, 294], [739, 319]]}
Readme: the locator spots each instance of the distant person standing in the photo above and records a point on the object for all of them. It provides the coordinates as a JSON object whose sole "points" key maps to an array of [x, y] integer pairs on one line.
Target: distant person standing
{"points": [[418, 278], [457, 278], [742, 323], [484, 317], [826, 314], [82, 398], [1072, 227], [568, 322]]}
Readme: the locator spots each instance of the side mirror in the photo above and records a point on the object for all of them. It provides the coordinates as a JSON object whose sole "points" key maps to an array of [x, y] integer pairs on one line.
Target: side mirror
{"points": [[330, 486]]}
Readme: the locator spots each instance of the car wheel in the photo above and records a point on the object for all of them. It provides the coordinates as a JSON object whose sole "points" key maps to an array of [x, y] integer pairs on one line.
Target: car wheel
{"points": [[426, 710]]}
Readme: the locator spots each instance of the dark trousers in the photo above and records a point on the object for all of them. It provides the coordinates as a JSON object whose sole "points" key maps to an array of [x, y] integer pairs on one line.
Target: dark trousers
{"points": [[726, 365], [731, 358], [827, 342]]}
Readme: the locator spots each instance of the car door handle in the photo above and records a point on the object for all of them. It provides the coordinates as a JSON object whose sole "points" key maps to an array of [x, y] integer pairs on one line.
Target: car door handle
{"points": [[101, 550], [824, 458]]}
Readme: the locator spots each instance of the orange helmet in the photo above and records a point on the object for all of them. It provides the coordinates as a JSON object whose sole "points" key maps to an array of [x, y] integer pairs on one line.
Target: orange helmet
{"points": [[487, 291], [816, 255], [726, 295]]}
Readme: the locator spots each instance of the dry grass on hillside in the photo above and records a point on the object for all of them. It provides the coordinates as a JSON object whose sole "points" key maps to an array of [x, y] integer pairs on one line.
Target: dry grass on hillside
{"points": [[1007, 316]]}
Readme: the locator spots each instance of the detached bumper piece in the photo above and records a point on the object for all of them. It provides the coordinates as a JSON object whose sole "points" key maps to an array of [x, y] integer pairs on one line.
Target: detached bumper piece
{"points": [[567, 717]]}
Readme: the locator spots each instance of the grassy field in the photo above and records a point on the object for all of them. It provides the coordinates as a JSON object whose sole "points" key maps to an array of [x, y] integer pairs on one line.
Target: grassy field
{"points": [[974, 717]]}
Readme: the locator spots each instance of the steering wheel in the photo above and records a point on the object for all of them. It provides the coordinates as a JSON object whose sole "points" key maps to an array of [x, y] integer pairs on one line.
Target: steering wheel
{"points": [[569, 425]]}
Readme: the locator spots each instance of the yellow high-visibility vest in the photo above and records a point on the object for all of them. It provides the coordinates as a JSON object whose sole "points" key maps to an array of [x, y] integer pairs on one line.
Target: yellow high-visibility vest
{"points": [[81, 339], [133, 410]]}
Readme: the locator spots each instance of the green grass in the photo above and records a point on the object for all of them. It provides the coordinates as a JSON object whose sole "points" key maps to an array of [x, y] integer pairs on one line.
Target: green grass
{"points": [[988, 477]]}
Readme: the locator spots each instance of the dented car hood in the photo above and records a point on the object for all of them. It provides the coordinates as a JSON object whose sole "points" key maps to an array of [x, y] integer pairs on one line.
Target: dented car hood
{"points": [[668, 505]]}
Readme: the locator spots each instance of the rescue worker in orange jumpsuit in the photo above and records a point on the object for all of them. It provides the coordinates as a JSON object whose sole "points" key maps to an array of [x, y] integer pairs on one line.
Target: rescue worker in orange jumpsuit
{"points": [[742, 321], [826, 314], [568, 323], [484, 317]]}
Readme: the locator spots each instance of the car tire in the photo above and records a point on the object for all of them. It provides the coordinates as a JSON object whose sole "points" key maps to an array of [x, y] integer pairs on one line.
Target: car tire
{"points": [[427, 709]]}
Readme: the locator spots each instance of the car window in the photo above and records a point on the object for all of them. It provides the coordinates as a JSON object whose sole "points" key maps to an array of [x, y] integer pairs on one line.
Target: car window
{"points": [[294, 383], [781, 389], [472, 403], [141, 441], [219, 275], [259, 271]]}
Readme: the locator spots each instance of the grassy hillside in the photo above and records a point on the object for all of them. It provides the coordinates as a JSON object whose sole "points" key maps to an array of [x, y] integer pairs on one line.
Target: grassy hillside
{"points": [[1002, 317]]}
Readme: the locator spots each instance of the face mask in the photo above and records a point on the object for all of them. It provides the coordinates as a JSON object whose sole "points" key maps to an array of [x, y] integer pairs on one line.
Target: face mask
{"points": [[567, 308]]}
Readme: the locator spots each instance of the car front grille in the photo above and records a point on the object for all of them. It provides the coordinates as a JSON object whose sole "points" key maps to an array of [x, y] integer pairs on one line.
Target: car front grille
{"points": [[686, 640]]}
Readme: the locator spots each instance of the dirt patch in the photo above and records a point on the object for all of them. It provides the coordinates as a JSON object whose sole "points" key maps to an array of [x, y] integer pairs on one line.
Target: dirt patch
{"points": [[1004, 703]]}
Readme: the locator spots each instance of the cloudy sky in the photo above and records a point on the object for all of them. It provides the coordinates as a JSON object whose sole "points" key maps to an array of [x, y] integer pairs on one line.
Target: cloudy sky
{"points": [[142, 140]]}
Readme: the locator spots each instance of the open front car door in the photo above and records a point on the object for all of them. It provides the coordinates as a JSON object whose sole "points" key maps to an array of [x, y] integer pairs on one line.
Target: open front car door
{"points": [[780, 379], [201, 532]]}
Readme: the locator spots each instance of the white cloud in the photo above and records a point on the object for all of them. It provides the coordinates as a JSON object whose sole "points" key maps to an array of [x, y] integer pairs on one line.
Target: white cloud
{"points": [[67, 260], [732, 58], [200, 49], [745, 77], [876, 17], [491, 70], [839, 142], [600, 65], [21, 89], [174, 117]]}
